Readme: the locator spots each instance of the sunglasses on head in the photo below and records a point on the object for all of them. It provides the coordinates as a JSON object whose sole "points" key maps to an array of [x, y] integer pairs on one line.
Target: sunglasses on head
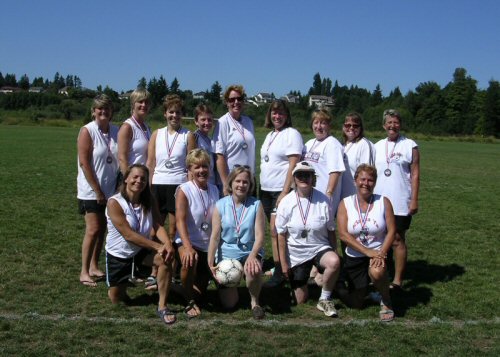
{"points": [[234, 99]]}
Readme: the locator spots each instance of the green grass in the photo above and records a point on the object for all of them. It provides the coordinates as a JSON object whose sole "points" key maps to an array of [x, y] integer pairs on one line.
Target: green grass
{"points": [[450, 306]]}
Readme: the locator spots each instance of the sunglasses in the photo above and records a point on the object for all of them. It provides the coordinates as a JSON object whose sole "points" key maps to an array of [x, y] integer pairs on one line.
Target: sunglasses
{"points": [[301, 175], [234, 99], [244, 166], [353, 126]]}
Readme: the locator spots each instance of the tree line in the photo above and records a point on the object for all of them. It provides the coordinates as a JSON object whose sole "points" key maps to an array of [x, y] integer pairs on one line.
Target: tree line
{"points": [[459, 108]]}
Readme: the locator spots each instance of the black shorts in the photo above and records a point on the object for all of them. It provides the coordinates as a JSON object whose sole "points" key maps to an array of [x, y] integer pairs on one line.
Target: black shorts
{"points": [[269, 199], [402, 223], [119, 270], [202, 268], [165, 197], [356, 271], [90, 206], [300, 273]]}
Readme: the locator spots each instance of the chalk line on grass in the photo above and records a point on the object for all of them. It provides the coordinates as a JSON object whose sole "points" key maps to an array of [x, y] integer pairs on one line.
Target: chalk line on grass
{"points": [[210, 322]]}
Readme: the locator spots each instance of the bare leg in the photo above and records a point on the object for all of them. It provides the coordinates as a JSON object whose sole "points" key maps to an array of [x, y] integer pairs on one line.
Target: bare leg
{"points": [[118, 294], [93, 230], [400, 256], [94, 262], [301, 294]]}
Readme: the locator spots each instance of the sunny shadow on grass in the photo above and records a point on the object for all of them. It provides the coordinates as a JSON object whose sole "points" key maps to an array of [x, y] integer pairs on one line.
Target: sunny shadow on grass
{"points": [[452, 272]]}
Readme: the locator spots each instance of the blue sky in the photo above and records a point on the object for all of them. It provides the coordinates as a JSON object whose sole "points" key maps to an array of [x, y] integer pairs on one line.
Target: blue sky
{"points": [[268, 46]]}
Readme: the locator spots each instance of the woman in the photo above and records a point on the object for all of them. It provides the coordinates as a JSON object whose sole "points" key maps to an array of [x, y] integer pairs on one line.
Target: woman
{"points": [[234, 139], [167, 152], [280, 152], [96, 182], [131, 219], [325, 154], [134, 134], [306, 236], [194, 204], [203, 119], [238, 225], [366, 225], [399, 159], [357, 150]]}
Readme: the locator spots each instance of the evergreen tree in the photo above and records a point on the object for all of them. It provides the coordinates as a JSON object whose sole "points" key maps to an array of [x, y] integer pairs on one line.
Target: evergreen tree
{"points": [[489, 122], [37, 82], [174, 86], [2, 80], [459, 96], [24, 82], [317, 85], [142, 83], [376, 98], [213, 96], [10, 80]]}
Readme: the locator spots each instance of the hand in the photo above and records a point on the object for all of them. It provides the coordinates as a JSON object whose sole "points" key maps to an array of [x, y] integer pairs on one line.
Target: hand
{"points": [[413, 208], [285, 270], [377, 262], [167, 252], [188, 256], [252, 266], [213, 270], [100, 198]]}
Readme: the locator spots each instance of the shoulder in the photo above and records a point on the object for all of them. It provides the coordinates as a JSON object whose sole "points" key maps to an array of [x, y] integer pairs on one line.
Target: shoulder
{"points": [[319, 197]]}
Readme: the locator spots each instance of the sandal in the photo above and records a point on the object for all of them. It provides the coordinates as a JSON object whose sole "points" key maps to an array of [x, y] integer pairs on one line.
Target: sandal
{"points": [[191, 306], [166, 313], [395, 287], [386, 314], [151, 283]]}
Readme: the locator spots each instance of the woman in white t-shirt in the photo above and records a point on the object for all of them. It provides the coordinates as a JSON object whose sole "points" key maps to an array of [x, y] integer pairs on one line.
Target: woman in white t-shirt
{"points": [[204, 121], [306, 235], [326, 155], [398, 158], [279, 154], [357, 150], [96, 182], [167, 152], [366, 225], [194, 202]]}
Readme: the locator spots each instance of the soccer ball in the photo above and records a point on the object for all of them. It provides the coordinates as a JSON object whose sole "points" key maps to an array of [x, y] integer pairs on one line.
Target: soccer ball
{"points": [[229, 272]]}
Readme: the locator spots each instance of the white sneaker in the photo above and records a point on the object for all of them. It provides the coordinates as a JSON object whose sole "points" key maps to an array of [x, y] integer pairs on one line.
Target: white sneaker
{"points": [[327, 307]]}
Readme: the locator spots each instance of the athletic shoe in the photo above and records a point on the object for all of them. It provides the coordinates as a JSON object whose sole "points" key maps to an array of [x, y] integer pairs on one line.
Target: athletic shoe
{"points": [[327, 307]]}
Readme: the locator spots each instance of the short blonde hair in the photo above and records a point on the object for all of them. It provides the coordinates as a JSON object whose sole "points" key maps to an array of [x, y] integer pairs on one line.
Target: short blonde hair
{"points": [[198, 157], [101, 101], [322, 114], [139, 95]]}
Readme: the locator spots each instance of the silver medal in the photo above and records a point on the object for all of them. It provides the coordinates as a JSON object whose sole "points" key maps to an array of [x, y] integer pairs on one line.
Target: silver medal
{"points": [[266, 158], [303, 234], [169, 164], [387, 172], [204, 226], [109, 159], [244, 146]]}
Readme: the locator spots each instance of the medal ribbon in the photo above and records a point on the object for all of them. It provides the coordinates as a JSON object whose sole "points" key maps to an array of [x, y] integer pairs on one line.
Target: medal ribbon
{"points": [[107, 140], [235, 215], [240, 130], [146, 132], [138, 219], [169, 149], [388, 157], [302, 215], [272, 140], [360, 213], [205, 205]]}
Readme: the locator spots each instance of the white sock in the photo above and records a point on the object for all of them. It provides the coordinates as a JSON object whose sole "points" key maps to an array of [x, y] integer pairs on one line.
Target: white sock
{"points": [[325, 295]]}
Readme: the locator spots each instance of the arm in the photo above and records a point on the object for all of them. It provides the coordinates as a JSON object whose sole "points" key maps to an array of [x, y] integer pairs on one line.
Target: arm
{"points": [[415, 181], [292, 161], [333, 180], [85, 146], [252, 265], [282, 249], [214, 240], [188, 255], [379, 261], [222, 170], [124, 142], [191, 142], [151, 162], [332, 238]]}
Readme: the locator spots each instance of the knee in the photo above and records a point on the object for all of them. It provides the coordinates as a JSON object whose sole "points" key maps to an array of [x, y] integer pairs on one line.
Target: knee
{"points": [[333, 262]]}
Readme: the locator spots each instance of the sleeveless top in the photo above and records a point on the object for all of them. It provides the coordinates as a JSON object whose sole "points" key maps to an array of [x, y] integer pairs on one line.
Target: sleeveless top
{"points": [[375, 224], [104, 146], [138, 151], [141, 223], [170, 167]]}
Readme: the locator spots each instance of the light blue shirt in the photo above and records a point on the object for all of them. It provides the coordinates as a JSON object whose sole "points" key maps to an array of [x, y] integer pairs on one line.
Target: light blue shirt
{"points": [[234, 245]]}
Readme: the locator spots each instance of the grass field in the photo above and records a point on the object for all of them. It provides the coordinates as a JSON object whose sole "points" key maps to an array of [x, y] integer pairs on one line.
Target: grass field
{"points": [[449, 307]]}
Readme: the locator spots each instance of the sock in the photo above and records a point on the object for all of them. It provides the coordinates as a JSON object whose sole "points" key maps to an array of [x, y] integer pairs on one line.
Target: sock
{"points": [[325, 295]]}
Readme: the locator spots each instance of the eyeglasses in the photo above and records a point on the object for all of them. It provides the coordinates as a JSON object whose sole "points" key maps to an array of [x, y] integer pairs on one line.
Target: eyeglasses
{"points": [[244, 166], [353, 126], [234, 99]]}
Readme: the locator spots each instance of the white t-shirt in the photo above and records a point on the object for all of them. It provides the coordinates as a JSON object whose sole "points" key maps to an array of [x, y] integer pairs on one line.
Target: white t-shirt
{"points": [[320, 220], [277, 146], [397, 186], [138, 151], [355, 154], [172, 155], [201, 205], [104, 146], [375, 224], [235, 140], [326, 156], [141, 223]]}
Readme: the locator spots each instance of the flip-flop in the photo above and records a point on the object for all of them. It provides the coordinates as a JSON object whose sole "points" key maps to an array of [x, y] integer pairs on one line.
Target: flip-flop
{"points": [[190, 307], [151, 283], [386, 315], [98, 277], [395, 287], [89, 283], [165, 313]]}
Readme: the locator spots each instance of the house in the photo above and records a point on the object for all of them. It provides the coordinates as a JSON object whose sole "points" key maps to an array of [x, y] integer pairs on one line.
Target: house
{"points": [[290, 98], [199, 95], [35, 90], [263, 98], [7, 89], [125, 96], [64, 91], [321, 101]]}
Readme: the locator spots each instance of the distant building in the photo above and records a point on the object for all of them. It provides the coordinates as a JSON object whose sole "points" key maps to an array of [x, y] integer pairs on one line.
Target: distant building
{"points": [[36, 90], [263, 98], [64, 91], [321, 101], [199, 95], [7, 89], [125, 96], [290, 98]]}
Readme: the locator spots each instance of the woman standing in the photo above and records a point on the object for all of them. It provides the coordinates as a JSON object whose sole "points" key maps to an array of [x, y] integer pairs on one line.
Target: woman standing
{"points": [[167, 159], [399, 159], [195, 202], [305, 226], [325, 153], [238, 225], [203, 119], [357, 150], [366, 225], [280, 152], [234, 139], [132, 222], [134, 134], [96, 182]]}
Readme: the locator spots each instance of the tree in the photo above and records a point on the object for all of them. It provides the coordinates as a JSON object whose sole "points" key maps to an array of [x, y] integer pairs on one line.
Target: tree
{"points": [[317, 85], [10, 80], [2, 80], [142, 84], [37, 82], [174, 86], [376, 98], [69, 82], [158, 89], [459, 95], [213, 96], [24, 82], [489, 122]]}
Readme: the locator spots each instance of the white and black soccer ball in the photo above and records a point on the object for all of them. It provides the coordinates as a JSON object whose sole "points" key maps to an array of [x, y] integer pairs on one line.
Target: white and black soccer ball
{"points": [[229, 272]]}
